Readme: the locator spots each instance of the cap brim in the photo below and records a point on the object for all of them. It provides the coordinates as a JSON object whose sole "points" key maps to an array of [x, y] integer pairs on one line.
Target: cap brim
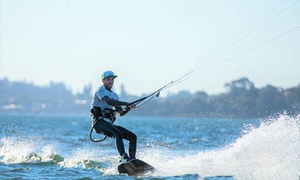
{"points": [[111, 76]]}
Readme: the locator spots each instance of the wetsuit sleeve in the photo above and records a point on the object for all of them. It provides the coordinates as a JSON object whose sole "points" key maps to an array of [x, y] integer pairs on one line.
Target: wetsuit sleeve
{"points": [[113, 102]]}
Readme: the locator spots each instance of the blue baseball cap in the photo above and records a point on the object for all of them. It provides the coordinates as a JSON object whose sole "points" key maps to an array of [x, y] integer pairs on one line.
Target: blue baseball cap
{"points": [[108, 74]]}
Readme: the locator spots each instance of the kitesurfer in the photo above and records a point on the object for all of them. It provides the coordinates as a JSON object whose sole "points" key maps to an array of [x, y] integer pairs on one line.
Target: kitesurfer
{"points": [[104, 107]]}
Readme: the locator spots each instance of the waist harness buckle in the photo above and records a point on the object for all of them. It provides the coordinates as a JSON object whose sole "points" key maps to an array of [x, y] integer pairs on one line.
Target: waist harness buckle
{"points": [[97, 112]]}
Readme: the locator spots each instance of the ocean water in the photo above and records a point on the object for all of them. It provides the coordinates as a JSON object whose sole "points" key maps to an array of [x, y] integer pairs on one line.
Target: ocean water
{"points": [[58, 147]]}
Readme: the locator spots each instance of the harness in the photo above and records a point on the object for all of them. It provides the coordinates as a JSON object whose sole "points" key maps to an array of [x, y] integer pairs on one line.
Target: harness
{"points": [[99, 114]]}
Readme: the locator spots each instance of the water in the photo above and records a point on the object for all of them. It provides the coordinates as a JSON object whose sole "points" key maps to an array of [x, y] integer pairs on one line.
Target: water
{"points": [[58, 147]]}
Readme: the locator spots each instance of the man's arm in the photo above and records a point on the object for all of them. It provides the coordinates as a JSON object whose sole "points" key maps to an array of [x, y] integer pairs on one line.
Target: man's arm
{"points": [[113, 102]]}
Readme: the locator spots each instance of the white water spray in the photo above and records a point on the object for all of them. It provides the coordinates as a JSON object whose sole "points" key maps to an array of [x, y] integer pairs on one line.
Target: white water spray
{"points": [[271, 151]]}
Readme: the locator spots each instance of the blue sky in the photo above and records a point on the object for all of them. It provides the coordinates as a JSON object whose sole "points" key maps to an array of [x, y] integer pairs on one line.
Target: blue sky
{"points": [[150, 43]]}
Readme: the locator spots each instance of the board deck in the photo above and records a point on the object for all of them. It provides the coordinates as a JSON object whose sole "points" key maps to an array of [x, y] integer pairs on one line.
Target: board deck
{"points": [[135, 167]]}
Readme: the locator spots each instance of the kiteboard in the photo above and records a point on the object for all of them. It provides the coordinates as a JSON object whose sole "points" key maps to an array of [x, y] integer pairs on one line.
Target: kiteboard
{"points": [[135, 167]]}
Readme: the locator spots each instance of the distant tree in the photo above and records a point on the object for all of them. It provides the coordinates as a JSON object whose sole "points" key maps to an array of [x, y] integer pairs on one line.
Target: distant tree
{"points": [[200, 104], [292, 98], [239, 85], [270, 100], [241, 97], [86, 94]]}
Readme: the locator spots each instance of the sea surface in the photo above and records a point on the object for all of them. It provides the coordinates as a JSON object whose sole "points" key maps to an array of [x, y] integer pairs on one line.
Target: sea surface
{"points": [[39, 146]]}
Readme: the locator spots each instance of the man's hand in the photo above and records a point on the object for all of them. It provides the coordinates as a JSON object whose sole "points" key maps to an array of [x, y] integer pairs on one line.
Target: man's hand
{"points": [[132, 107], [127, 109]]}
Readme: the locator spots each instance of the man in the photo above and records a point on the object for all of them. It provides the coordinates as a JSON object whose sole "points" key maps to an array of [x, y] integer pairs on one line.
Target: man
{"points": [[105, 104]]}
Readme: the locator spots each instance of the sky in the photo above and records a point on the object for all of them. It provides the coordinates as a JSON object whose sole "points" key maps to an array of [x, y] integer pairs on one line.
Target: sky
{"points": [[148, 44]]}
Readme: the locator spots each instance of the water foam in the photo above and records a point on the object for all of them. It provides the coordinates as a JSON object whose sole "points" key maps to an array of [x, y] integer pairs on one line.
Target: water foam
{"points": [[271, 151], [15, 150]]}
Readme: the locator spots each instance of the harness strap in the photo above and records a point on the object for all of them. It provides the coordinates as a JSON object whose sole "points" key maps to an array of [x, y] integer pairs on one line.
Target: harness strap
{"points": [[96, 112], [96, 140]]}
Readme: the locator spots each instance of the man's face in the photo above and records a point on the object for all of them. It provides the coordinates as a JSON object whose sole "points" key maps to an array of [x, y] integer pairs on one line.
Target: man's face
{"points": [[108, 82]]}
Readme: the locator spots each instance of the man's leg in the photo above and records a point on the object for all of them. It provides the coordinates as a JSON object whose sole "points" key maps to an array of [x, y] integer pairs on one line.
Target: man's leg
{"points": [[111, 131], [131, 137]]}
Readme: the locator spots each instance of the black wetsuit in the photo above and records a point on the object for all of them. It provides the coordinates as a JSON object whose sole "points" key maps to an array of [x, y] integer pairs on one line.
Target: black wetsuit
{"points": [[119, 133]]}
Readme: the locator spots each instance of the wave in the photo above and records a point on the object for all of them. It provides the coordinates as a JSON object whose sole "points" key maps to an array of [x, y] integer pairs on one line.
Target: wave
{"points": [[16, 150], [270, 151]]}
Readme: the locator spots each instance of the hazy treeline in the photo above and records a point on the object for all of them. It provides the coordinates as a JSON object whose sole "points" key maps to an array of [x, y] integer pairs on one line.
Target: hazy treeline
{"points": [[242, 100]]}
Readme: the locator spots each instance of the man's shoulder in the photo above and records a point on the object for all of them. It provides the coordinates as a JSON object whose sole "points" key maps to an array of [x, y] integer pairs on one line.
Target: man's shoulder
{"points": [[104, 92], [102, 89]]}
